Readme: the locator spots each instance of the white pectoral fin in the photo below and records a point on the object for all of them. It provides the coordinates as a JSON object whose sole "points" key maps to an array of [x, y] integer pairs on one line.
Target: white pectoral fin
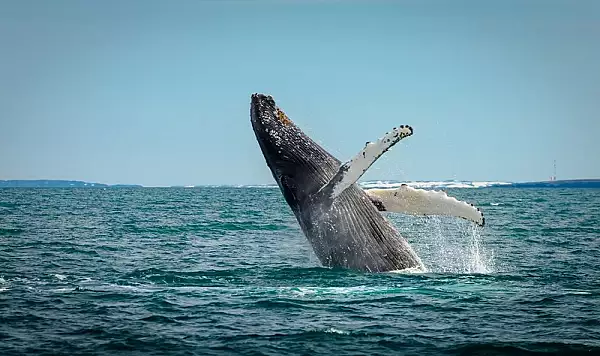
{"points": [[423, 202], [352, 170]]}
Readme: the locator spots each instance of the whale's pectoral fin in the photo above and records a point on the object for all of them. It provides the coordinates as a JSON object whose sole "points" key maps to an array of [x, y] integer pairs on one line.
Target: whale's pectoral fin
{"points": [[423, 202], [352, 170]]}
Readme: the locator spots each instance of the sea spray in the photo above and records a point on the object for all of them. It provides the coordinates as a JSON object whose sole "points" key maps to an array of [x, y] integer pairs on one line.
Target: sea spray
{"points": [[447, 245], [481, 261]]}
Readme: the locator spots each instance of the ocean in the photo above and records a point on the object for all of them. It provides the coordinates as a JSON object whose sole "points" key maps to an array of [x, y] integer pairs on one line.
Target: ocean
{"points": [[226, 270]]}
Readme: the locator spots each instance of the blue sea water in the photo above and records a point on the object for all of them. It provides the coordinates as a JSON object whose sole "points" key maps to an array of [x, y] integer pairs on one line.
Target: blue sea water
{"points": [[151, 271]]}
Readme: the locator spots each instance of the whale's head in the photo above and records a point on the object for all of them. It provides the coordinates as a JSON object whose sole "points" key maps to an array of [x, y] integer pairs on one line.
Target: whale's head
{"points": [[299, 165]]}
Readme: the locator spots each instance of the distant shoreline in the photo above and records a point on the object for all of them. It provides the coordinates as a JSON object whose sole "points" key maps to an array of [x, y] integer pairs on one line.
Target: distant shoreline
{"points": [[567, 183], [570, 183], [52, 183]]}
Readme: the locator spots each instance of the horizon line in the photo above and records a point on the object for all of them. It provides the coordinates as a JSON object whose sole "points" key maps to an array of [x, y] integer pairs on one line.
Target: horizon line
{"points": [[82, 183]]}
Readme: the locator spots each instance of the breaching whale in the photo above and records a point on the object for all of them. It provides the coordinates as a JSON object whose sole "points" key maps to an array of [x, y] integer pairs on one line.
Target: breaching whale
{"points": [[343, 222]]}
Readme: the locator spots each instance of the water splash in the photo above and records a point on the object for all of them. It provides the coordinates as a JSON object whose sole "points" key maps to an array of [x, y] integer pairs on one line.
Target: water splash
{"points": [[448, 245], [336, 331], [481, 261]]}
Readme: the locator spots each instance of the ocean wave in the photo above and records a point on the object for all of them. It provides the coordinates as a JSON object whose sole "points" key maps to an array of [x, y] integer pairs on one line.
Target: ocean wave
{"points": [[411, 270], [10, 231], [260, 186], [316, 291], [521, 348], [384, 184], [265, 186], [216, 226]]}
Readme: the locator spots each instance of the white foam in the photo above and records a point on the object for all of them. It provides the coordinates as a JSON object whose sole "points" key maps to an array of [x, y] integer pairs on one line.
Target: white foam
{"points": [[577, 292], [432, 184], [310, 291], [410, 270], [336, 331], [267, 186], [302, 291], [4, 289], [119, 287], [60, 277], [62, 290]]}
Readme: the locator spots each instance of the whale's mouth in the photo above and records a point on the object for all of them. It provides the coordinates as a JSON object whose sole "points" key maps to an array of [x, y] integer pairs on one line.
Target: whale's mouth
{"points": [[299, 165]]}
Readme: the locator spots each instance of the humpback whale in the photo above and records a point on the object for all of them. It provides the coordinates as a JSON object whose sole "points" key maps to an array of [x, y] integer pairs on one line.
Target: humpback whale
{"points": [[344, 223]]}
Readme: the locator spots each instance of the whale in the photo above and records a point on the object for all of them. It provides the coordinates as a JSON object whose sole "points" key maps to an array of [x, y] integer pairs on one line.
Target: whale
{"points": [[345, 224]]}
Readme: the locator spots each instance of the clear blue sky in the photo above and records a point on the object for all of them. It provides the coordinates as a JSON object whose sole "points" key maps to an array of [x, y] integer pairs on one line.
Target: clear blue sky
{"points": [[158, 92]]}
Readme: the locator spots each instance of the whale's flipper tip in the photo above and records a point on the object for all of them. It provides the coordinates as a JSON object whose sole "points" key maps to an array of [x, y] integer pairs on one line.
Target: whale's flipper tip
{"points": [[352, 170]]}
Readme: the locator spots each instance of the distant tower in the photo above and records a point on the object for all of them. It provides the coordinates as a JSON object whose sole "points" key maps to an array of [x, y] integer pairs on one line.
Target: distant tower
{"points": [[553, 178]]}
